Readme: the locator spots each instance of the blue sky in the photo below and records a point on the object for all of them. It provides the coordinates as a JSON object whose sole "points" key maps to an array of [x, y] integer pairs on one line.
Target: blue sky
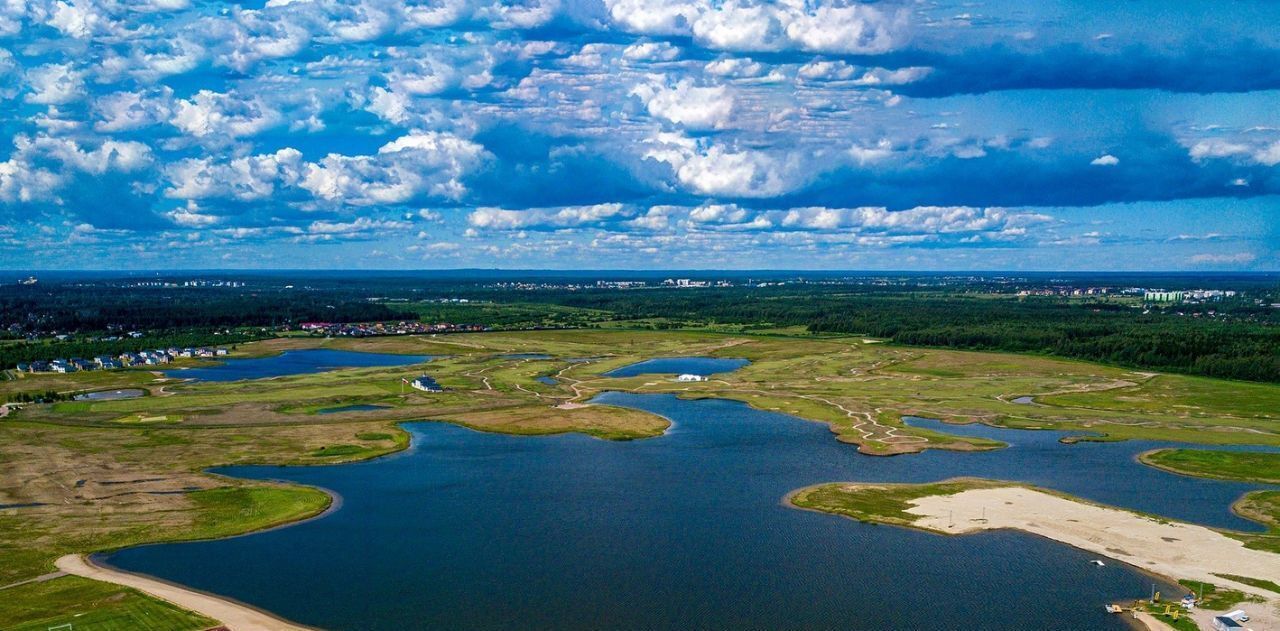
{"points": [[819, 134]]}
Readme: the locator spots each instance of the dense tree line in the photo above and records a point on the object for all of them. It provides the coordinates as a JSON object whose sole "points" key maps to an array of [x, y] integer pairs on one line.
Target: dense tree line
{"points": [[1242, 341], [70, 308], [509, 315], [1246, 346], [15, 353], [47, 396]]}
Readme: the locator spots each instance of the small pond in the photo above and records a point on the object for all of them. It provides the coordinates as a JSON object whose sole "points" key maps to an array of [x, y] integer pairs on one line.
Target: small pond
{"points": [[110, 395], [703, 366], [294, 363]]}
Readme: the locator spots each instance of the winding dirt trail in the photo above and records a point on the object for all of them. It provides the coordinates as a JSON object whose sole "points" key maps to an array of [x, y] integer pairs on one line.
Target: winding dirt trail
{"points": [[883, 433], [233, 615]]}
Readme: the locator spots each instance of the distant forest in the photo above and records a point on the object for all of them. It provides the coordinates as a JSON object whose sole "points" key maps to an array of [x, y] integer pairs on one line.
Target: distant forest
{"points": [[171, 317], [74, 308], [1244, 346], [1242, 341]]}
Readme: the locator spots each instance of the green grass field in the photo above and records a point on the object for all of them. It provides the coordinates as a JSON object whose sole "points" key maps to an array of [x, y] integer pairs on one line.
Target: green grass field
{"points": [[880, 503], [90, 606], [1247, 466], [1215, 598]]}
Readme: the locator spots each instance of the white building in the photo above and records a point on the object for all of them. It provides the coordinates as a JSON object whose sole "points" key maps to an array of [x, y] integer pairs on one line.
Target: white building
{"points": [[426, 384], [1163, 296], [689, 377]]}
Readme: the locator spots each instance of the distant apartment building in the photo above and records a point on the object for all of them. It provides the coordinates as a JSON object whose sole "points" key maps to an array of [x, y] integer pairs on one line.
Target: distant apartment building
{"points": [[1163, 296]]}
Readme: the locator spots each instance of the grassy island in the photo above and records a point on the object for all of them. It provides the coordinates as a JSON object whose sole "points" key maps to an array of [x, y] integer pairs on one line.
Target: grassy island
{"points": [[1179, 551], [1245, 466]]}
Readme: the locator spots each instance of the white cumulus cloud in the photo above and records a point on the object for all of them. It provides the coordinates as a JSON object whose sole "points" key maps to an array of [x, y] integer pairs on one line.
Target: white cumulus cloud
{"points": [[687, 104]]}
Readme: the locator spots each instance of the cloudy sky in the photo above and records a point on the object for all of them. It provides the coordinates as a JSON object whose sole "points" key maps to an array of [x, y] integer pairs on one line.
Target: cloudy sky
{"points": [[818, 134]]}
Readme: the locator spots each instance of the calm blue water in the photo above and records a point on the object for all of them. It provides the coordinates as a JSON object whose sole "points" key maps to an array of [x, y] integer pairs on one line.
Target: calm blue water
{"points": [[679, 365], [360, 407], [550, 381], [294, 363], [687, 530]]}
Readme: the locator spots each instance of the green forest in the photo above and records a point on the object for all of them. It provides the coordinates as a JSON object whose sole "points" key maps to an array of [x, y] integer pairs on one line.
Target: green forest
{"points": [[1232, 347], [1237, 339]]}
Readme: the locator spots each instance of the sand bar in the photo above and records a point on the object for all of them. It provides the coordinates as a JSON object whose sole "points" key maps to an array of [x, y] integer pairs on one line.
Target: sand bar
{"points": [[1168, 548], [235, 616]]}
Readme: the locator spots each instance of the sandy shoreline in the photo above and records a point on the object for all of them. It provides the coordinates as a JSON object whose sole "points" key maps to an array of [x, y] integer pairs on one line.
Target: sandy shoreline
{"points": [[234, 615], [231, 613], [1171, 549]]}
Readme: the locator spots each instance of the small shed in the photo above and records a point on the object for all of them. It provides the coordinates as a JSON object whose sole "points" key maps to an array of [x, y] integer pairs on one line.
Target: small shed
{"points": [[1226, 623]]}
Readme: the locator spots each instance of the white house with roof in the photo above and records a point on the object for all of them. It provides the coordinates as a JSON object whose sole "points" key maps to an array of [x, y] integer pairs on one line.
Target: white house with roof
{"points": [[426, 384]]}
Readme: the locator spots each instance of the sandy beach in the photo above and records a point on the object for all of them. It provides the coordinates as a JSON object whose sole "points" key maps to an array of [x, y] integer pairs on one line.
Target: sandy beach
{"points": [[1168, 548], [235, 616]]}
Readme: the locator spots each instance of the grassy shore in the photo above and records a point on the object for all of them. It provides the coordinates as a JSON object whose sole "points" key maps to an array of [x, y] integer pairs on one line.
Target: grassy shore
{"points": [[1245, 466], [880, 503], [91, 605], [108, 474]]}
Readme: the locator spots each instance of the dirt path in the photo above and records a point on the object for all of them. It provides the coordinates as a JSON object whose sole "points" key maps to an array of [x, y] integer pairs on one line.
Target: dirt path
{"points": [[435, 340], [235, 616], [574, 384], [1151, 622], [39, 579], [880, 432]]}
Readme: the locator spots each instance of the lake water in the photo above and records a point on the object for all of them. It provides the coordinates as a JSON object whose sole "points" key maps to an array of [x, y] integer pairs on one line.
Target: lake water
{"points": [[687, 530], [110, 395], [679, 365], [1106, 472], [294, 363]]}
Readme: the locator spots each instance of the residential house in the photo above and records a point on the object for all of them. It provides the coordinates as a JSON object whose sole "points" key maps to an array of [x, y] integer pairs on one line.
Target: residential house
{"points": [[426, 384]]}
